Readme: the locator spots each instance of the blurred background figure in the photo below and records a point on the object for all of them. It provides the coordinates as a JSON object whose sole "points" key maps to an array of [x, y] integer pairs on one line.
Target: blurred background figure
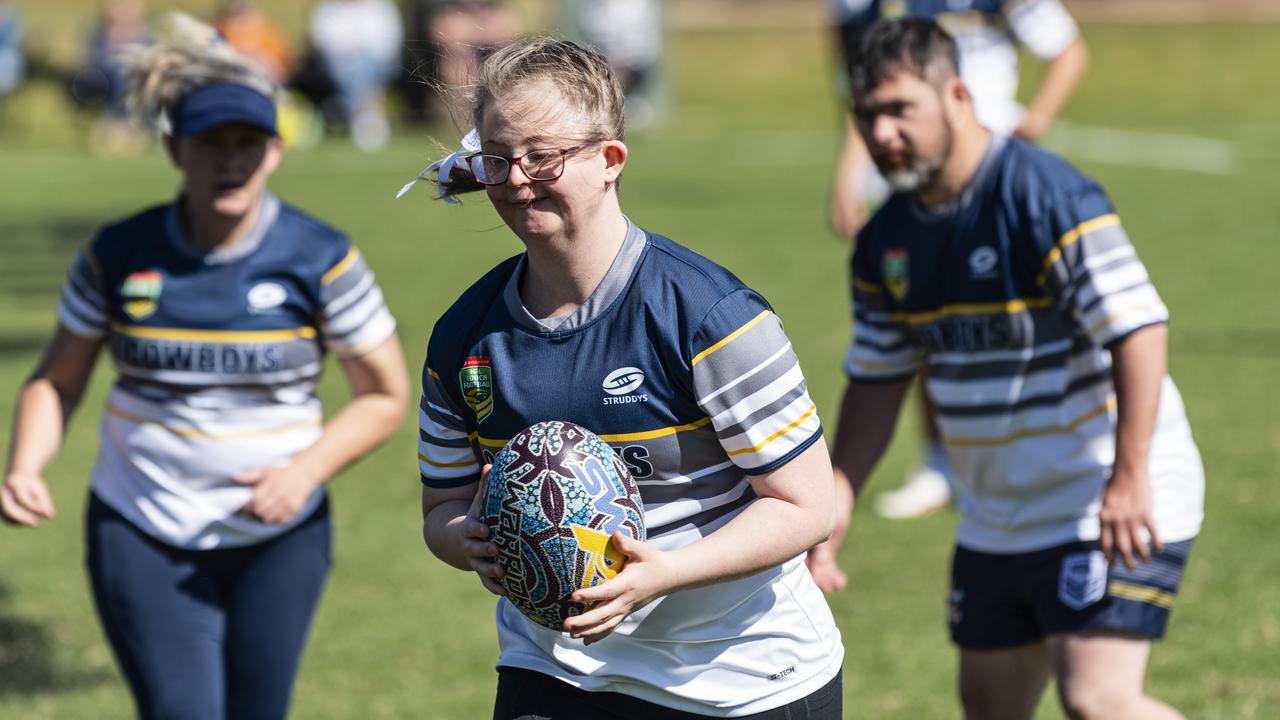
{"points": [[12, 67], [466, 32], [99, 84], [358, 43], [257, 37], [458, 36], [629, 33], [988, 35]]}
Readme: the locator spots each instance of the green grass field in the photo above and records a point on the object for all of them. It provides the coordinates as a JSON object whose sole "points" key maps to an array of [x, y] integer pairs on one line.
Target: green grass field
{"points": [[739, 171]]}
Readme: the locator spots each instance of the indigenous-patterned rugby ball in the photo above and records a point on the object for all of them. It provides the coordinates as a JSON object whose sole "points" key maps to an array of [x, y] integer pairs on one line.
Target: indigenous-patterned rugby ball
{"points": [[555, 496]]}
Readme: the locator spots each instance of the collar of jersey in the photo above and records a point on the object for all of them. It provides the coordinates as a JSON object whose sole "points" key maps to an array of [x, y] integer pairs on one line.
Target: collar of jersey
{"points": [[267, 215]]}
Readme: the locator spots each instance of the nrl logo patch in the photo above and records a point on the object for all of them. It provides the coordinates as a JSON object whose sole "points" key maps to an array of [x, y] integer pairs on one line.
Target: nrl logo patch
{"points": [[140, 292], [1082, 581], [896, 272], [476, 380]]}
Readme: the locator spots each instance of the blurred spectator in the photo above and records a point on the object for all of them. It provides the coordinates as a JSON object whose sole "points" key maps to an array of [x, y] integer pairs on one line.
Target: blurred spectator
{"points": [[253, 33], [465, 32], [12, 67], [358, 42], [100, 82], [629, 34]]}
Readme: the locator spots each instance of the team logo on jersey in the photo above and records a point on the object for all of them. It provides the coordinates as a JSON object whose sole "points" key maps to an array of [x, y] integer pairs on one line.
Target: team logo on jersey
{"points": [[896, 272], [982, 263], [623, 380], [266, 296], [140, 292], [476, 379], [1083, 579]]}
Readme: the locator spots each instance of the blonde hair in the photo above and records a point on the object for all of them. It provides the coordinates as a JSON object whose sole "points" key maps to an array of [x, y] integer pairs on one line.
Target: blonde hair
{"points": [[188, 54], [587, 85]]}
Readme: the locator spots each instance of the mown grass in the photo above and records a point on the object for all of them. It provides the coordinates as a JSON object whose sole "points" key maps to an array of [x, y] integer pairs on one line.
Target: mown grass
{"points": [[739, 171]]}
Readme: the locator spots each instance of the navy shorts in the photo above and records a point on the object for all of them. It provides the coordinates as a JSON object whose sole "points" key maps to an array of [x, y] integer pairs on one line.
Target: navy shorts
{"points": [[1000, 601], [529, 695]]}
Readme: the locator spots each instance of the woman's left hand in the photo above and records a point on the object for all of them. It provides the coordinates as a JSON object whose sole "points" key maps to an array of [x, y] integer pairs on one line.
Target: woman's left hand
{"points": [[647, 574], [278, 493]]}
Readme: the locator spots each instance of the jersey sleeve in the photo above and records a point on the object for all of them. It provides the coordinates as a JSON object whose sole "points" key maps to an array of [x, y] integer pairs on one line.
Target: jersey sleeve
{"points": [[445, 457], [881, 349], [748, 381], [1043, 27], [84, 308], [354, 317], [1089, 266]]}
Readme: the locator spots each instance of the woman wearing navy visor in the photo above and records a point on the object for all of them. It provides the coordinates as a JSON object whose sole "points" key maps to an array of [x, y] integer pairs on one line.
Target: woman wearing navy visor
{"points": [[208, 526]]}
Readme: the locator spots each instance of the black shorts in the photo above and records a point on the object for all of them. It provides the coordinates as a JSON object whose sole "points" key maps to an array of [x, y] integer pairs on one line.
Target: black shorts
{"points": [[528, 695], [1000, 601]]}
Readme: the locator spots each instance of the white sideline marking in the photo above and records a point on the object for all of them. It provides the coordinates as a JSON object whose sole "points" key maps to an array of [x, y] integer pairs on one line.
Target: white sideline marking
{"points": [[1142, 149]]}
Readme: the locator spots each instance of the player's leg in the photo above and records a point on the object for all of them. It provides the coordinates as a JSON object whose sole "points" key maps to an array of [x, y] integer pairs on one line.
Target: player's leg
{"points": [[272, 598], [160, 611], [1004, 662], [1100, 676], [1003, 684], [1100, 649]]}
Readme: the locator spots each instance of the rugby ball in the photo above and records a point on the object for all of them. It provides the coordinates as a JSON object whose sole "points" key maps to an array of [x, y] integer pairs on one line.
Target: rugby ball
{"points": [[554, 497]]}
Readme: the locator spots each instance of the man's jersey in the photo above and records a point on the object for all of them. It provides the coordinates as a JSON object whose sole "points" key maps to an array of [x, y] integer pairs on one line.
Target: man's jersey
{"points": [[987, 34], [218, 356], [688, 375], [1009, 299]]}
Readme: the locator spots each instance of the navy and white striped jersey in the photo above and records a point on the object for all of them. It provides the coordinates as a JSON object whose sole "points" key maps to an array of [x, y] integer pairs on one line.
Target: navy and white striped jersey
{"points": [[988, 34], [688, 374], [1009, 298], [218, 356]]}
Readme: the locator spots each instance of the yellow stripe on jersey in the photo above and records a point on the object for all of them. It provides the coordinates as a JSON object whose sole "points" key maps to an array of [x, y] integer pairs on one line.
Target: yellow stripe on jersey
{"points": [[660, 432], [775, 436], [468, 463], [1110, 404], [228, 336], [616, 437], [1008, 307], [92, 259], [1110, 319], [434, 374], [196, 434], [1071, 236], [729, 338], [1141, 593], [865, 286], [343, 265]]}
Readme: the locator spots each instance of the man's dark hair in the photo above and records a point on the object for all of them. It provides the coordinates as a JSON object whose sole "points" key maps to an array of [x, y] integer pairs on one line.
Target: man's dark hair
{"points": [[915, 45]]}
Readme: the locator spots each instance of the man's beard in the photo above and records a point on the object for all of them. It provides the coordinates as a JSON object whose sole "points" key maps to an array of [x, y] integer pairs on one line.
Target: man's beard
{"points": [[922, 172]]}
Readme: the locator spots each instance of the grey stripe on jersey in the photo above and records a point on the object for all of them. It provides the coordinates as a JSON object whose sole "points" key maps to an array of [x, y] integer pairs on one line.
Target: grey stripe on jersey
{"points": [[750, 384], [1088, 384], [354, 318], [444, 449], [705, 519], [83, 306], [1111, 295]]}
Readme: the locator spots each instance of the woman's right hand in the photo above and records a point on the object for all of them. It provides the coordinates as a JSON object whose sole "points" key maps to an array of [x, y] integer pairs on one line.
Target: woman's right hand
{"points": [[25, 499], [476, 546]]}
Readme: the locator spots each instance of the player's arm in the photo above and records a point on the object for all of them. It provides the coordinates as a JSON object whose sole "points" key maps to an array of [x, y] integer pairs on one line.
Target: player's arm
{"points": [[379, 395], [454, 532], [791, 513], [1062, 75], [848, 206], [45, 405], [868, 416], [1138, 365]]}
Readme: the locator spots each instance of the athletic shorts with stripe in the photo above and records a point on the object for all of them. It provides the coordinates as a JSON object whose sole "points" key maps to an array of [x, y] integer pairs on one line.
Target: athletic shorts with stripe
{"points": [[1000, 601]]}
